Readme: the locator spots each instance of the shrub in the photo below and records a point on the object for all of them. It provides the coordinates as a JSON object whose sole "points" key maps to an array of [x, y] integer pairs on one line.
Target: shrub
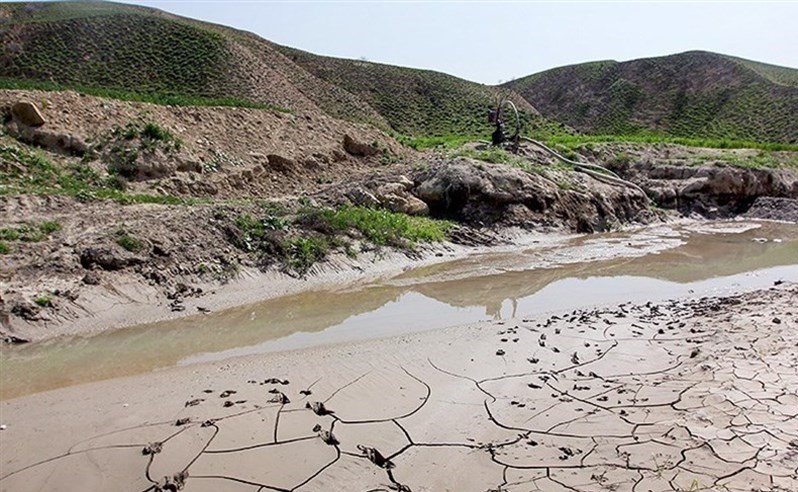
{"points": [[44, 301], [128, 241]]}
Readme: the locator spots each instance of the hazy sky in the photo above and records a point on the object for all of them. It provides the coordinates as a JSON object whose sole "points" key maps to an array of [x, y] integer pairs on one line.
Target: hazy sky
{"points": [[492, 41]]}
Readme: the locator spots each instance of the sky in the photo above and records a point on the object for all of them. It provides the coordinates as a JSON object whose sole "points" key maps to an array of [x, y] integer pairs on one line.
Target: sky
{"points": [[492, 42]]}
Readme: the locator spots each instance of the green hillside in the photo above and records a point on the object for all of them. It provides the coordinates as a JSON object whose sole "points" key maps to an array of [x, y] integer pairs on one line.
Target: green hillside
{"points": [[694, 95], [414, 102], [130, 52]]}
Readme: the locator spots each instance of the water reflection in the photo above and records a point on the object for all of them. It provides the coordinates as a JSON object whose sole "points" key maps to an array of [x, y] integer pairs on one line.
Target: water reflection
{"points": [[651, 263]]}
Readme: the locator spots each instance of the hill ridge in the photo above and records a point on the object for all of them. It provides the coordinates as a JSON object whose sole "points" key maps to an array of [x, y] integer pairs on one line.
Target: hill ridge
{"points": [[85, 45]]}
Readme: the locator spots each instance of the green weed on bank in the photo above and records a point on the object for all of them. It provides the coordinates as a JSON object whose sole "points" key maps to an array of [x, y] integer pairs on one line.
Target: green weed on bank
{"points": [[25, 171], [573, 141], [301, 241]]}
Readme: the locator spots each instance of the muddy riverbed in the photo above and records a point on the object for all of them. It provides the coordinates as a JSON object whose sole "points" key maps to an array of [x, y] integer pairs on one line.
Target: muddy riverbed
{"points": [[647, 264]]}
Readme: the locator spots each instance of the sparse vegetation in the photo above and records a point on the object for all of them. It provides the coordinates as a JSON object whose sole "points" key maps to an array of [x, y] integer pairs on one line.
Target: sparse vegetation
{"points": [[755, 104], [301, 253], [4, 248], [127, 53], [30, 232], [121, 147], [26, 171], [307, 238]]}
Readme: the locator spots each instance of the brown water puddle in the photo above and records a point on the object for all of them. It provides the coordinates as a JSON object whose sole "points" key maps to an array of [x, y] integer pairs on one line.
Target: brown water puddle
{"points": [[649, 264]]}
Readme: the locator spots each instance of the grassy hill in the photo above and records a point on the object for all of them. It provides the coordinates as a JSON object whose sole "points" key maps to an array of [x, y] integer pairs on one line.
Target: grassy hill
{"points": [[694, 94], [140, 53], [130, 52], [416, 102]]}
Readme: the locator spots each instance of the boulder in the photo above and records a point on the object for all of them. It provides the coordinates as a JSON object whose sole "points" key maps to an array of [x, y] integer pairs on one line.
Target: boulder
{"points": [[26, 113], [473, 190], [396, 198], [405, 204], [362, 198], [406, 182], [359, 149]]}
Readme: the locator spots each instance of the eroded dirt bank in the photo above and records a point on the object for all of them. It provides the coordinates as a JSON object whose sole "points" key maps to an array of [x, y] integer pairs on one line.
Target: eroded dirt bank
{"points": [[677, 395], [114, 213]]}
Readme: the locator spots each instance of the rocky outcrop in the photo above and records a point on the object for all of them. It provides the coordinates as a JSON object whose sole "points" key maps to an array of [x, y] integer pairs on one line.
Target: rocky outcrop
{"points": [[719, 190], [784, 209], [486, 194], [390, 193], [396, 197]]}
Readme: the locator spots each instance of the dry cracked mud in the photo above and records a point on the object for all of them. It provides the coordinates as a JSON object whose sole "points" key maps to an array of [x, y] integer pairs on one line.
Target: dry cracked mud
{"points": [[682, 395]]}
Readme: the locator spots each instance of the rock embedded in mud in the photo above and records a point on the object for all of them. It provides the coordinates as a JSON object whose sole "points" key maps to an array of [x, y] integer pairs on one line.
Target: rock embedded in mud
{"points": [[92, 278], [15, 340], [403, 203], [362, 198], [26, 113]]}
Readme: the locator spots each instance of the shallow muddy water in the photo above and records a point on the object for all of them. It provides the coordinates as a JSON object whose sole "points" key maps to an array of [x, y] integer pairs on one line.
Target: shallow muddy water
{"points": [[653, 263]]}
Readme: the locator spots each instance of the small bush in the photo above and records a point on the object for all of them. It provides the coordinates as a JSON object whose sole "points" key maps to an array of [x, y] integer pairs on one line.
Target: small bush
{"points": [[303, 252], [4, 248], [128, 241], [44, 301], [9, 234]]}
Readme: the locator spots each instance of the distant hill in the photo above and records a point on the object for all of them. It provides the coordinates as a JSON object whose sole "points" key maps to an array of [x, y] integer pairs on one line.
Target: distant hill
{"points": [[693, 94], [132, 52], [414, 102]]}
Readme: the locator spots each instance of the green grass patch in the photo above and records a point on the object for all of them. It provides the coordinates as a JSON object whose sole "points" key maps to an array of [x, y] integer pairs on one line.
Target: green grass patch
{"points": [[43, 301], [383, 227], [314, 232], [567, 141], [304, 251], [30, 233], [4, 248], [573, 141]]}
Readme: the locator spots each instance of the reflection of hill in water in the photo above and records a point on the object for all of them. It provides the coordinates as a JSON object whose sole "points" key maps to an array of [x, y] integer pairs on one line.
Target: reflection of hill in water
{"points": [[703, 257], [144, 348]]}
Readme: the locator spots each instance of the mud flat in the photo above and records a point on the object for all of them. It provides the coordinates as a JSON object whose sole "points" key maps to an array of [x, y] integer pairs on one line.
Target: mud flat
{"points": [[695, 394]]}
